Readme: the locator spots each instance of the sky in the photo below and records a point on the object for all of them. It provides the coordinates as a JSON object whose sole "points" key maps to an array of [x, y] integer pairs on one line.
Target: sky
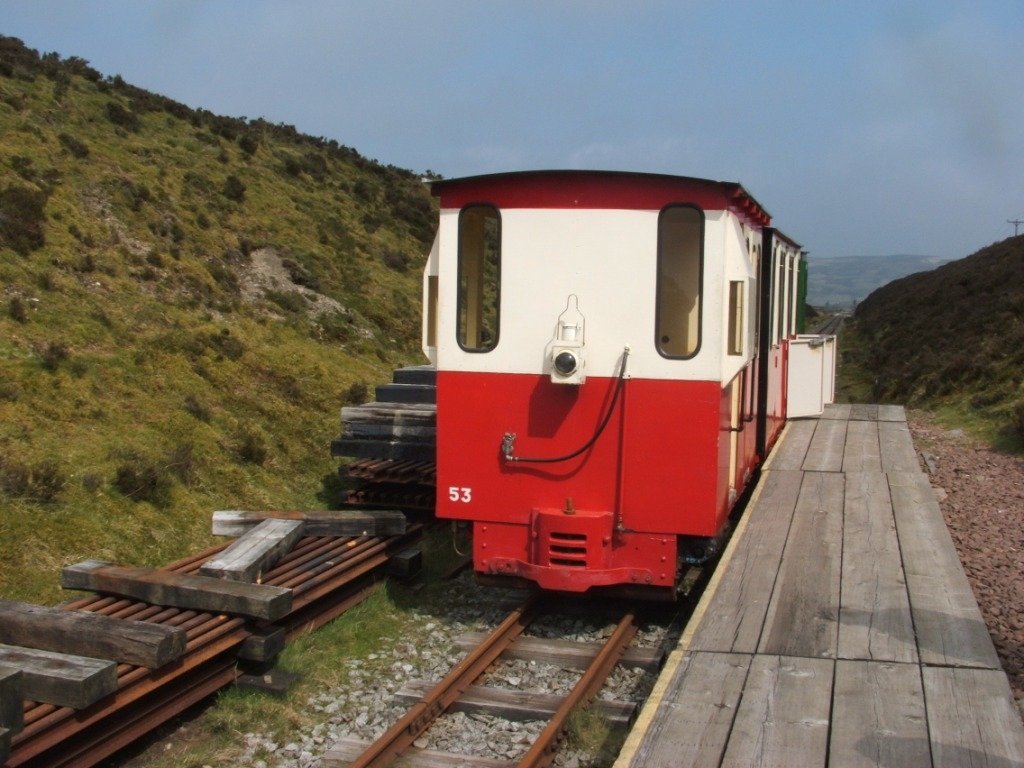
{"points": [[863, 127]]}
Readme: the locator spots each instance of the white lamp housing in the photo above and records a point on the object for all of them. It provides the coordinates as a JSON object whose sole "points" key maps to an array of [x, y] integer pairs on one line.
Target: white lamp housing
{"points": [[566, 358]]}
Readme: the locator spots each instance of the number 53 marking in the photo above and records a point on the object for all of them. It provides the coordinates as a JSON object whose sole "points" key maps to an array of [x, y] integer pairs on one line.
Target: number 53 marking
{"points": [[464, 495]]}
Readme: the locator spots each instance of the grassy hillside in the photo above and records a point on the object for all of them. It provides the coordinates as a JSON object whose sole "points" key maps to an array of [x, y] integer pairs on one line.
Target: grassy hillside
{"points": [[952, 339], [187, 300]]}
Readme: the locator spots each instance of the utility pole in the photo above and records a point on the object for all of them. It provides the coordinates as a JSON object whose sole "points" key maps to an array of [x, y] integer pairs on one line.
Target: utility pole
{"points": [[1016, 224]]}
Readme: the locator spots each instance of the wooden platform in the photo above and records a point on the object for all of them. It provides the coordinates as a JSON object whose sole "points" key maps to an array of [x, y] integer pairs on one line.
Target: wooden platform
{"points": [[839, 629]]}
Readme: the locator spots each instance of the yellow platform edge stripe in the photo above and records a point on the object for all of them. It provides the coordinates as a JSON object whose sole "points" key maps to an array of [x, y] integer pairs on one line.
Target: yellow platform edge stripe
{"points": [[646, 716]]}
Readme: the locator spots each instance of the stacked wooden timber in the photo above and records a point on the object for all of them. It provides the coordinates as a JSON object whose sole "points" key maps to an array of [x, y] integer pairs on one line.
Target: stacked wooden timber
{"points": [[400, 426], [88, 678], [394, 443]]}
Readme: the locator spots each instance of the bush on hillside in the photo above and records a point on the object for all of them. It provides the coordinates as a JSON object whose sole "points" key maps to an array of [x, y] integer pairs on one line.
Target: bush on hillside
{"points": [[141, 479], [251, 445], [234, 189], [121, 116], [77, 148], [22, 219], [41, 482], [248, 144], [1017, 418], [17, 310]]}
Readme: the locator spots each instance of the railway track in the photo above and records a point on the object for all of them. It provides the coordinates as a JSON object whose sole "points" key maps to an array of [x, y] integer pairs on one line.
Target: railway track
{"points": [[833, 324], [459, 685], [327, 575]]}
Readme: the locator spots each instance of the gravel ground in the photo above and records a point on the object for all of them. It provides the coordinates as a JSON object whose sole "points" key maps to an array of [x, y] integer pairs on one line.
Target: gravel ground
{"points": [[981, 493], [364, 707]]}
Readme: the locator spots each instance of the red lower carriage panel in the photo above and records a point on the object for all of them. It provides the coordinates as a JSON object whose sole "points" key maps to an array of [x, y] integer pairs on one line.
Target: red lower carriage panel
{"points": [[574, 552]]}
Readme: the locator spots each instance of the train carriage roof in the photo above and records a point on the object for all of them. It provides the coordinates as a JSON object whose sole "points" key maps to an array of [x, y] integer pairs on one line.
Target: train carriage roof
{"points": [[598, 189]]}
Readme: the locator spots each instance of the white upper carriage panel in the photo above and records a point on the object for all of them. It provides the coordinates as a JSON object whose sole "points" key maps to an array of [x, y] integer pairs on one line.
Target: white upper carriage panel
{"points": [[528, 264]]}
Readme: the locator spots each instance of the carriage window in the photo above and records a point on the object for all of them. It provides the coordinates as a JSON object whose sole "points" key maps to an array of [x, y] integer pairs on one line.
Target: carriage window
{"points": [[780, 292], [793, 298], [479, 278], [735, 317], [680, 259]]}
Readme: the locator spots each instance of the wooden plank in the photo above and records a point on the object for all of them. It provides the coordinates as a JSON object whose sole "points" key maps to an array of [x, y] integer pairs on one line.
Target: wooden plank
{"points": [[892, 413], [825, 453], [972, 718], [11, 695], [783, 718], [839, 411], [878, 716], [513, 704], [803, 615], [255, 552], [201, 593], [691, 726], [60, 678], [410, 411], [318, 523], [346, 750], [563, 652], [874, 614], [864, 412], [897, 448], [264, 644], [861, 452], [790, 451], [390, 431], [949, 627], [82, 633], [735, 618]]}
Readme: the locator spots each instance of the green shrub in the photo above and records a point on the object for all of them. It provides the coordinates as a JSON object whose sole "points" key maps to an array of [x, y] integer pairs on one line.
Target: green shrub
{"points": [[335, 326], [357, 394], [248, 144], [122, 116], [251, 445], [141, 479], [22, 218], [40, 482], [17, 310], [76, 147], [53, 354], [396, 260], [225, 277], [197, 409], [181, 462], [226, 344], [234, 189], [300, 275], [290, 301], [1017, 418], [10, 390]]}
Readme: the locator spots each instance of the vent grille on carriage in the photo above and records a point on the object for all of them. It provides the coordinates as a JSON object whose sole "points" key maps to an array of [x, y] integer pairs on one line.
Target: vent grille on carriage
{"points": [[567, 549]]}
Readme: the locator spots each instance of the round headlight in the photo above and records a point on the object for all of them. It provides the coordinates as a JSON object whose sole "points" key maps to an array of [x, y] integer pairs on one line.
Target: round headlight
{"points": [[565, 363]]}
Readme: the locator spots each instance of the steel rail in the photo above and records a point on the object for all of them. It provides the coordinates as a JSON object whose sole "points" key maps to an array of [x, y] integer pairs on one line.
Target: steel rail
{"points": [[399, 737], [327, 576], [544, 749]]}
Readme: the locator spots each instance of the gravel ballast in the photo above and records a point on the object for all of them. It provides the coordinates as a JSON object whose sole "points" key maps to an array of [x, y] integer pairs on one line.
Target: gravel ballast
{"points": [[981, 494]]}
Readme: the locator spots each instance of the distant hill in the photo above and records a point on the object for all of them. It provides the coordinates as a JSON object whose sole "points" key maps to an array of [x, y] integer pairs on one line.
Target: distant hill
{"points": [[842, 281], [954, 335], [186, 300]]}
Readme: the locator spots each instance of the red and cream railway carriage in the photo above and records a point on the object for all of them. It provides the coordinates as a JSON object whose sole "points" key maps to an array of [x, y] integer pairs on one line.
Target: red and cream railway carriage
{"points": [[611, 361]]}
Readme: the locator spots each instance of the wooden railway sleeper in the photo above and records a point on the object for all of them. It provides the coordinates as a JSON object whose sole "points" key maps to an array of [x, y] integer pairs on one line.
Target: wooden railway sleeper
{"points": [[543, 751], [401, 735]]}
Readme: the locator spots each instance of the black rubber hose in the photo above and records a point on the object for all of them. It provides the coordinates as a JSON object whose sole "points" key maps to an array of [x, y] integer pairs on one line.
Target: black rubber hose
{"points": [[586, 446]]}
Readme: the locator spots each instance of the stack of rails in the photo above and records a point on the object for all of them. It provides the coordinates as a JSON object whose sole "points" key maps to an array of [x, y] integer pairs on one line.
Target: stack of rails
{"points": [[326, 575], [394, 443]]}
